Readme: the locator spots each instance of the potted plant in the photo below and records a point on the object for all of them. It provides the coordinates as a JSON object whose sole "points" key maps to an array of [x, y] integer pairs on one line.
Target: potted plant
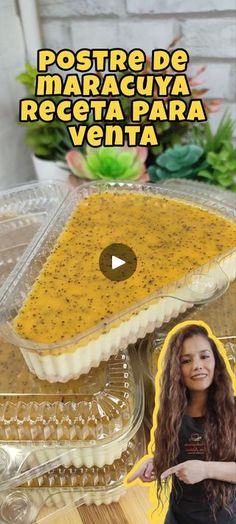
{"points": [[169, 132], [48, 141], [108, 163], [207, 157]]}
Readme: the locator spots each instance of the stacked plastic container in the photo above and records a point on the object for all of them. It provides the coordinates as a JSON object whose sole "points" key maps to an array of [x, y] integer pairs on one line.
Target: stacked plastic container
{"points": [[63, 441], [88, 428], [71, 412]]}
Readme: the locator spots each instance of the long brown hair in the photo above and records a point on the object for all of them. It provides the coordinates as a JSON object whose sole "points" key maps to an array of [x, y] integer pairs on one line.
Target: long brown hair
{"points": [[219, 425]]}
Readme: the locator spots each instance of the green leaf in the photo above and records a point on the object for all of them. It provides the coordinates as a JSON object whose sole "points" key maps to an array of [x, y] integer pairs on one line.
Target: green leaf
{"points": [[31, 69], [223, 155], [157, 150], [24, 79], [165, 126], [205, 174], [180, 157], [224, 182], [212, 158], [152, 173], [41, 151], [231, 165], [222, 168], [204, 136]]}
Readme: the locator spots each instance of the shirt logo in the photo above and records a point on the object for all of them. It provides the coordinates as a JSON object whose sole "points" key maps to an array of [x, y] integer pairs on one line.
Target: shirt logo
{"points": [[195, 437]]}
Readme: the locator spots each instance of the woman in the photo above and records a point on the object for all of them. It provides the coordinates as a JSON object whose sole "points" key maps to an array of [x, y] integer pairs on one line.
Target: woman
{"points": [[195, 437]]}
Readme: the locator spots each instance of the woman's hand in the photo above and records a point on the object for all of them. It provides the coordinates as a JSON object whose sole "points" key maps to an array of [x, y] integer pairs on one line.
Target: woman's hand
{"points": [[145, 472], [189, 472]]}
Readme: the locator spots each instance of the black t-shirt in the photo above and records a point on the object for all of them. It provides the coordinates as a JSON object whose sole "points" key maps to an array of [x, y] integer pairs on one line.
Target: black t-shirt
{"points": [[188, 502]]}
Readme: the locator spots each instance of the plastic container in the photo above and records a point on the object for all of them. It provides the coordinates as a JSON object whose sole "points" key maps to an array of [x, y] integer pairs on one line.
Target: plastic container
{"points": [[23, 210], [93, 417], [44, 487], [201, 188], [68, 358], [21, 507], [34, 198]]}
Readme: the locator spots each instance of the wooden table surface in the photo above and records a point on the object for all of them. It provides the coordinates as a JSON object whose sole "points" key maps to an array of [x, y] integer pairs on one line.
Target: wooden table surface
{"points": [[131, 509]]}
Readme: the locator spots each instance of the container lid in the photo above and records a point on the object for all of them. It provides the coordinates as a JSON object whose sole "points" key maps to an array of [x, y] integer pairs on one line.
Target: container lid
{"points": [[23, 210], [94, 409], [201, 188], [93, 478], [23, 496]]}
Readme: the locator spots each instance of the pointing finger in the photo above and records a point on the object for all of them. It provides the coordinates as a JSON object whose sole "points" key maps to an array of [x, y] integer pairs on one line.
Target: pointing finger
{"points": [[134, 476], [169, 472], [148, 471], [166, 474]]}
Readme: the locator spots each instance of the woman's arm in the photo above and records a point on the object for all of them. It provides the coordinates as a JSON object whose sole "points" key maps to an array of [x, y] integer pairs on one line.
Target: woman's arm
{"points": [[144, 472], [193, 471], [225, 471]]}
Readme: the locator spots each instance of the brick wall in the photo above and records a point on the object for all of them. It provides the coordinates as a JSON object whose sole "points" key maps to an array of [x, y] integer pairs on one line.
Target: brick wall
{"points": [[207, 29]]}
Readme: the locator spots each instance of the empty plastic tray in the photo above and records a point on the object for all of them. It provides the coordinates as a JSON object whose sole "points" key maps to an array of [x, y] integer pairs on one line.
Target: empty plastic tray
{"points": [[23, 210], [94, 416]]}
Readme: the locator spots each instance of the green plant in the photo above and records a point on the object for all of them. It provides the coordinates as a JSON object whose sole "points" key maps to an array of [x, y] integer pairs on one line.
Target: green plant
{"points": [[220, 155], [169, 133], [221, 168], [180, 161], [108, 163], [203, 135], [48, 140], [210, 157]]}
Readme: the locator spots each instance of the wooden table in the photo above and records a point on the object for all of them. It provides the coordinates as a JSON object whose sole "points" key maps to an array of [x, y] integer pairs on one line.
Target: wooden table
{"points": [[131, 509]]}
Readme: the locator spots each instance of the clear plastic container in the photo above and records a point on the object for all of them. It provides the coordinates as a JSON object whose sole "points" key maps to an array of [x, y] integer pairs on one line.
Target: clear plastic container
{"points": [[21, 507], [54, 488], [23, 210], [60, 361], [201, 188], [93, 417]]}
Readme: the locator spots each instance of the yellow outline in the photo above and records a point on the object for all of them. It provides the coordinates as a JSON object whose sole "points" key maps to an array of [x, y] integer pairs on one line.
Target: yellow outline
{"points": [[153, 515]]}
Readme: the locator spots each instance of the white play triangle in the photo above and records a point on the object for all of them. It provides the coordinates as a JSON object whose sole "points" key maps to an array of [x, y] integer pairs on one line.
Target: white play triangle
{"points": [[116, 262]]}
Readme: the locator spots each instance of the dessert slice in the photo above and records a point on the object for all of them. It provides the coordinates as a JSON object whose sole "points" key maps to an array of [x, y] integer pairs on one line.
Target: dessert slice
{"points": [[74, 316]]}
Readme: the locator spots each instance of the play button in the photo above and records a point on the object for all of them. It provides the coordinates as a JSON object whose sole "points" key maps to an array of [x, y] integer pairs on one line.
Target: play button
{"points": [[118, 262]]}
